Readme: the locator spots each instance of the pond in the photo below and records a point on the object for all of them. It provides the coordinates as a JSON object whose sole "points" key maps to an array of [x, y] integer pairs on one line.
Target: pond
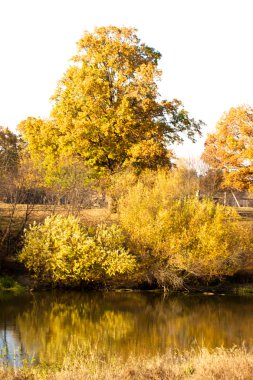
{"points": [[44, 327]]}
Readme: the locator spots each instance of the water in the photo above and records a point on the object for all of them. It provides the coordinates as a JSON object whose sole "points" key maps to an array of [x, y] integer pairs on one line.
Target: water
{"points": [[44, 327]]}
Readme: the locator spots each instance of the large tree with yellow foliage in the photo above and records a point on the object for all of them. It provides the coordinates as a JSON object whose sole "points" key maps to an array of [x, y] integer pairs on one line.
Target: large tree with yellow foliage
{"points": [[107, 109], [230, 148]]}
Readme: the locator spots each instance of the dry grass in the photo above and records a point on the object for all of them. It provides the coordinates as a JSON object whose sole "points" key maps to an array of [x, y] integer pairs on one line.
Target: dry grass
{"points": [[88, 216], [203, 365], [39, 212]]}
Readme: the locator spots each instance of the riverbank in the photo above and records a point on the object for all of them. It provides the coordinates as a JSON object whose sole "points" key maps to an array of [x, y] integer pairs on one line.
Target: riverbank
{"points": [[235, 363], [17, 280], [147, 274]]}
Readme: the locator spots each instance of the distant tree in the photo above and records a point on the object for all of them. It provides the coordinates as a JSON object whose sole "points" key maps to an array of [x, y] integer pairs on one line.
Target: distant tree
{"points": [[107, 109], [230, 148], [9, 161], [42, 143], [211, 182], [9, 148]]}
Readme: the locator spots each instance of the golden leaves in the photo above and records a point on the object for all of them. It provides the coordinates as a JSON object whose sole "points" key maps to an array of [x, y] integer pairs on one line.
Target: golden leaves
{"points": [[106, 103], [230, 147], [61, 251]]}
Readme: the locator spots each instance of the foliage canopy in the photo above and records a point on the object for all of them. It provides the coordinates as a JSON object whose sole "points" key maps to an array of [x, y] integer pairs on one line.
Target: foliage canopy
{"points": [[107, 109], [230, 148]]}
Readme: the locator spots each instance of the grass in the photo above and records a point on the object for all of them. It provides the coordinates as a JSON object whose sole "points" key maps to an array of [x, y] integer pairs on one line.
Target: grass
{"points": [[236, 363], [39, 212], [88, 216], [13, 219], [8, 284], [243, 289], [248, 211]]}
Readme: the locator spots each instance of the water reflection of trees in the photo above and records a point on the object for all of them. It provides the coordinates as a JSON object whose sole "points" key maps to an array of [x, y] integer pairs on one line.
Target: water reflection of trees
{"points": [[11, 349], [130, 323]]}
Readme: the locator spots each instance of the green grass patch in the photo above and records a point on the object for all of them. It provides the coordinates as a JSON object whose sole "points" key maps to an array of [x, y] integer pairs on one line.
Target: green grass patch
{"points": [[8, 284], [244, 289]]}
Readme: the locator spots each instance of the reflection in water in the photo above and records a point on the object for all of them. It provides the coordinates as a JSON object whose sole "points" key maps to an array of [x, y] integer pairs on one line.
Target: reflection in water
{"points": [[47, 326]]}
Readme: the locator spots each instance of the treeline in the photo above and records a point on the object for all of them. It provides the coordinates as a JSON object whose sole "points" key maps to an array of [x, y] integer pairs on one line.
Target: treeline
{"points": [[109, 141]]}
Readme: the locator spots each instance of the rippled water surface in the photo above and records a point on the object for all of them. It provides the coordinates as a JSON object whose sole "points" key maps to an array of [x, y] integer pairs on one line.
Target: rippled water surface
{"points": [[44, 327]]}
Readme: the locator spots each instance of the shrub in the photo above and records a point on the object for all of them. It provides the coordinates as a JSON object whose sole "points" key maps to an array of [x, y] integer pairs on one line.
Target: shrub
{"points": [[178, 236], [6, 282], [61, 251]]}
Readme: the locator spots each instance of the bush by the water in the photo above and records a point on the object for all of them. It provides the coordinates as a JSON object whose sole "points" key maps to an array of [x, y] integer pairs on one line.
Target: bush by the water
{"points": [[179, 236], [175, 237], [62, 251]]}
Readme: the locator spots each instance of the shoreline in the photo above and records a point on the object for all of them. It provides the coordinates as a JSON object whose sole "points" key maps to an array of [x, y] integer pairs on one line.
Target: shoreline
{"points": [[16, 284], [219, 363]]}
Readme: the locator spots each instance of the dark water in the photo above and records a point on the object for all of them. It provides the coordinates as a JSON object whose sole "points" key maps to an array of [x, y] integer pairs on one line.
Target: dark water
{"points": [[44, 327]]}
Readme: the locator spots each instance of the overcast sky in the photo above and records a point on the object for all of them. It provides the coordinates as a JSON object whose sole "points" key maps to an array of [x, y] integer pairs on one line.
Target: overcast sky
{"points": [[206, 47]]}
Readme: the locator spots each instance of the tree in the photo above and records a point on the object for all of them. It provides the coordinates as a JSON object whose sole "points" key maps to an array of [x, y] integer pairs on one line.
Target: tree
{"points": [[9, 148], [211, 182], [230, 148], [9, 161], [41, 142], [107, 109]]}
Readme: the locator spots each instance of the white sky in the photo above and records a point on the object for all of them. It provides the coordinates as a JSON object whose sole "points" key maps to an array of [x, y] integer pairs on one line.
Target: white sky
{"points": [[206, 46]]}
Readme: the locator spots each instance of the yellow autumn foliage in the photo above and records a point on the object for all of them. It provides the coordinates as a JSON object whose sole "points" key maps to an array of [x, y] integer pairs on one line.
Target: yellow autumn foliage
{"points": [[61, 252], [107, 110], [229, 148], [176, 233]]}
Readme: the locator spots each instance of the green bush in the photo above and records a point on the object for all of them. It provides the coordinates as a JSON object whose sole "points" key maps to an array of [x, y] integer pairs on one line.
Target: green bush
{"points": [[179, 236], [61, 251], [6, 282]]}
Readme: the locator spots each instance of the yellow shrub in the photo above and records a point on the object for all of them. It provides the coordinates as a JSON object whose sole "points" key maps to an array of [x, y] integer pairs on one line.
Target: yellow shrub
{"points": [[180, 234], [61, 251]]}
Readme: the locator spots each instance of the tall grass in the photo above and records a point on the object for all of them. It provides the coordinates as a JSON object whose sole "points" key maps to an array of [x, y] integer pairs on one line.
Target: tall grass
{"points": [[230, 364]]}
